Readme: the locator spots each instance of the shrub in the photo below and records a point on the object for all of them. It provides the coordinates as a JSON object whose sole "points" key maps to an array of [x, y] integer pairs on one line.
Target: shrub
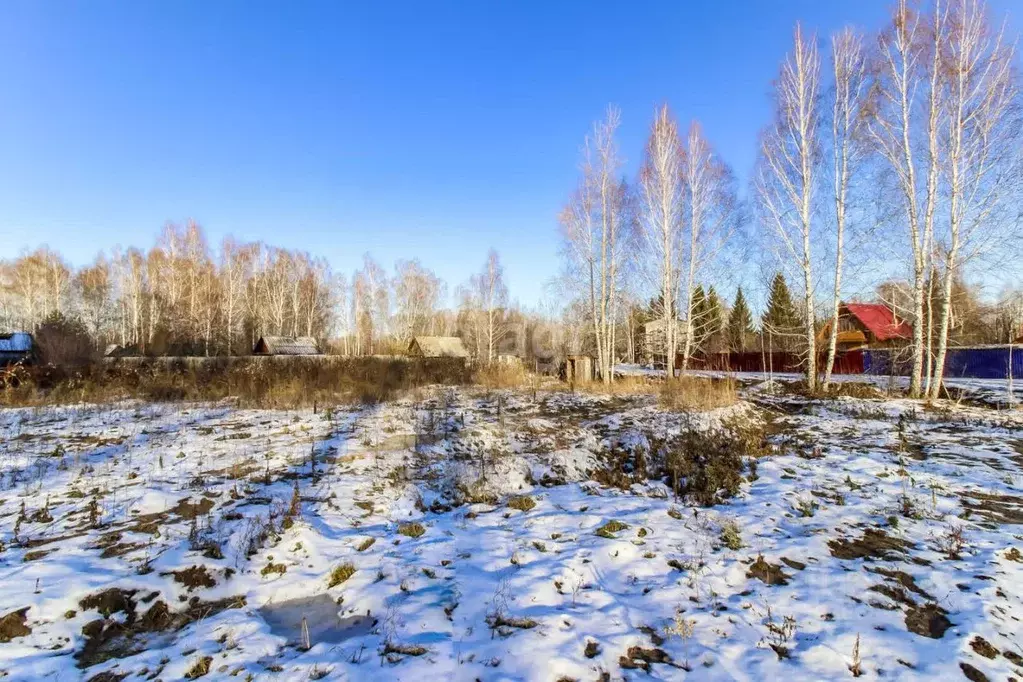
{"points": [[706, 466], [340, 574], [64, 341]]}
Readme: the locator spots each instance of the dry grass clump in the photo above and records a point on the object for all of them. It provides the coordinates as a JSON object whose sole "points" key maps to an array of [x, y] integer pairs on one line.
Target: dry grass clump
{"points": [[475, 492], [609, 529], [201, 668], [522, 503], [412, 530], [687, 394], [854, 389], [731, 536], [340, 574]]}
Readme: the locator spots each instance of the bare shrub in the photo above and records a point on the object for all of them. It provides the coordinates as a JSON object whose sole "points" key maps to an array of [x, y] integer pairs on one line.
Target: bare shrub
{"points": [[706, 466], [64, 341]]}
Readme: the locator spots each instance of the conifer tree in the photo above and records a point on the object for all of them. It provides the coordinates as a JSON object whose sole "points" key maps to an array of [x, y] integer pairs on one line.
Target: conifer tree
{"points": [[781, 320], [740, 323], [716, 323]]}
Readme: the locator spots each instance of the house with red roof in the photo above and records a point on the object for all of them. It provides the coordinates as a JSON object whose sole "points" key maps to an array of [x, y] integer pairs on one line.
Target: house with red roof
{"points": [[868, 325]]}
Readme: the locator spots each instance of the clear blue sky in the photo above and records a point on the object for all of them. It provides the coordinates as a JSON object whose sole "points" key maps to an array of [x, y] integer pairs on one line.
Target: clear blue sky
{"points": [[428, 129]]}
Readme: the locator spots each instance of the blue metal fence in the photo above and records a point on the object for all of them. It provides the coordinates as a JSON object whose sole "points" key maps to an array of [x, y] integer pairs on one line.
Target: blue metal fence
{"points": [[982, 362]]}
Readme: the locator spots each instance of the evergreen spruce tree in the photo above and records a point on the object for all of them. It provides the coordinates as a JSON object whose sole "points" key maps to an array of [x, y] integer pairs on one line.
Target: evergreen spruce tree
{"points": [[781, 319], [717, 321], [740, 323]]}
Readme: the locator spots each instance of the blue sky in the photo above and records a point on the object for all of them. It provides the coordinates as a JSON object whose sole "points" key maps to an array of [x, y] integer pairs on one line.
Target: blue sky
{"points": [[419, 129]]}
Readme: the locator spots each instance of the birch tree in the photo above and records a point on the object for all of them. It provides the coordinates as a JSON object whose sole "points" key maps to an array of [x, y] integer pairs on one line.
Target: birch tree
{"points": [[93, 286], [710, 216], [786, 179], [849, 70], [417, 293], [906, 72], [492, 294], [235, 271], [594, 230], [980, 138], [660, 224]]}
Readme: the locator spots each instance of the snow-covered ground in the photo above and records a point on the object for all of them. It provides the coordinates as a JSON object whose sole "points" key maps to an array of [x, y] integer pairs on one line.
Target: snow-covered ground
{"points": [[456, 537]]}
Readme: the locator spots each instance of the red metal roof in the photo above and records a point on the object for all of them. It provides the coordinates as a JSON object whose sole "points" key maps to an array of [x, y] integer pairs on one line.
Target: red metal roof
{"points": [[880, 320]]}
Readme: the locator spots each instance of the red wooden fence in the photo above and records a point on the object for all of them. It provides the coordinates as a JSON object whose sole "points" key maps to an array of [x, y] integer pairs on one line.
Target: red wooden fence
{"points": [[848, 362]]}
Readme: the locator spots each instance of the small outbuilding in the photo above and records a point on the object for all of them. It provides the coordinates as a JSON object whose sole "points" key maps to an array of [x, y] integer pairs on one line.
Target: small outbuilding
{"points": [[578, 369], [437, 347], [286, 345], [15, 347]]}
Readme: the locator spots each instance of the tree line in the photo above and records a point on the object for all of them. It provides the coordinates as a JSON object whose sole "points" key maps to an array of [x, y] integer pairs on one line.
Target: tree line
{"points": [[183, 297], [899, 151]]}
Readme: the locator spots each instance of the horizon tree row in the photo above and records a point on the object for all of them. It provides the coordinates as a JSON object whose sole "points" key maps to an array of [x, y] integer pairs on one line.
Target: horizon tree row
{"points": [[182, 297]]}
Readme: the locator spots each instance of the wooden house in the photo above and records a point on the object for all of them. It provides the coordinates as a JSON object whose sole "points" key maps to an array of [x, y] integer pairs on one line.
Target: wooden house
{"points": [[437, 347], [868, 325], [286, 345], [653, 343]]}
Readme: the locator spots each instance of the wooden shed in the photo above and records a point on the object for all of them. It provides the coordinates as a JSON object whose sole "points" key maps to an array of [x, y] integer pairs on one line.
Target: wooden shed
{"points": [[437, 347], [286, 345], [578, 368]]}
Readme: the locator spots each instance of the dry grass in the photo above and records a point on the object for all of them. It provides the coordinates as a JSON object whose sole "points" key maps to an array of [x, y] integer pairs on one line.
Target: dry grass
{"points": [[609, 529], [522, 503], [340, 574], [684, 394], [687, 394], [412, 530], [255, 382], [200, 668], [503, 376], [626, 385]]}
